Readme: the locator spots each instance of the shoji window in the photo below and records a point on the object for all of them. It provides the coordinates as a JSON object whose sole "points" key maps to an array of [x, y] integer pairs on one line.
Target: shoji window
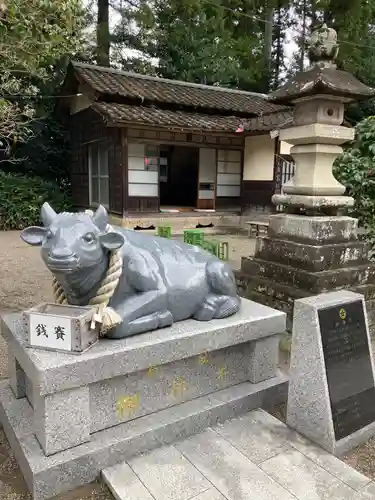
{"points": [[143, 170], [98, 172], [228, 173]]}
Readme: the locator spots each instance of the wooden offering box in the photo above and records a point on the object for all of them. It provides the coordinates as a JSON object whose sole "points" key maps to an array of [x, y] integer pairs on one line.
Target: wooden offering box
{"points": [[60, 327]]}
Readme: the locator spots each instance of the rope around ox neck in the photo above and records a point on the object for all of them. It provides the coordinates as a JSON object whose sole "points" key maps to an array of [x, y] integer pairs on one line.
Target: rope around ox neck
{"points": [[105, 315]]}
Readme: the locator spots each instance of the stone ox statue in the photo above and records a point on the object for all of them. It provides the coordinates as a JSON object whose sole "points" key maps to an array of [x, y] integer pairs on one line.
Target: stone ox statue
{"points": [[136, 281]]}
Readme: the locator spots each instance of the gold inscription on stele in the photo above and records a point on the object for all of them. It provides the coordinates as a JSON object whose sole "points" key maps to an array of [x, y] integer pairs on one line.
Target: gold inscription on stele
{"points": [[342, 313], [127, 404]]}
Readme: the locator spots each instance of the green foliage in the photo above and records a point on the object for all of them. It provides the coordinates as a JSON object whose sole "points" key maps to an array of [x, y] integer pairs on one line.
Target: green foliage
{"points": [[45, 155], [217, 42], [21, 198], [355, 169], [36, 36]]}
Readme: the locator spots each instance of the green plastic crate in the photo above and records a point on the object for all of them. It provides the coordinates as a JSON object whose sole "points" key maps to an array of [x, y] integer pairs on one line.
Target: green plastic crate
{"points": [[223, 250], [164, 232], [217, 248], [210, 246], [193, 236]]}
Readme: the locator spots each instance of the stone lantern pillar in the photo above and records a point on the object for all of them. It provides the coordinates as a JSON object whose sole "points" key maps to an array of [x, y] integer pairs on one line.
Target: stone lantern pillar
{"points": [[312, 247]]}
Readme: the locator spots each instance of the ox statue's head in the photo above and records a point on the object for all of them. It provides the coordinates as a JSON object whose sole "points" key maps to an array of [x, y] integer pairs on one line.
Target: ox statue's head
{"points": [[73, 241]]}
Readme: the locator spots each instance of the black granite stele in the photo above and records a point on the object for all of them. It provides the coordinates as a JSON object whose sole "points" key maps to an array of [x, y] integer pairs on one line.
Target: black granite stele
{"points": [[348, 367], [284, 270]]}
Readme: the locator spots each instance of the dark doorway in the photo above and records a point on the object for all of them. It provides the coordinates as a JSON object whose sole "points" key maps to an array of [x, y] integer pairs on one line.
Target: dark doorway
{"points": [[178, 176]]}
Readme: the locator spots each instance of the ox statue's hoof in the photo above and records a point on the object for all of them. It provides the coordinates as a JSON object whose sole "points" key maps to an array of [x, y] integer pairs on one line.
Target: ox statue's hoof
{"points": [[165, 318]]}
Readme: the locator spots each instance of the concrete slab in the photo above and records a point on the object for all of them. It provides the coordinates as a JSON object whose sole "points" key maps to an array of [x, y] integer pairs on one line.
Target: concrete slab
{"points": [[368, 492], [305, 479], [224, 455], [328, 462], [259, 436], [234, 475], [124, 483], [253, 437], [168, 475], [211, 494]]}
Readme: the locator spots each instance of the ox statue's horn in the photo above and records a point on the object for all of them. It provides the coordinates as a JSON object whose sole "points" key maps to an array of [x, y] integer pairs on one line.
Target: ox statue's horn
{"points": [[47, 214], [100, 218]]}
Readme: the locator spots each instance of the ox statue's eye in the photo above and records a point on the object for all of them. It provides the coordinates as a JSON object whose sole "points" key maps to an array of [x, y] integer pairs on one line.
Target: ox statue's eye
{"points": [[89, 237], [49, 234]]}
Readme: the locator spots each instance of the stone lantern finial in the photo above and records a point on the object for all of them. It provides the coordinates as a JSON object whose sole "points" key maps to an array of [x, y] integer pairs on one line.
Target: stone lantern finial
{"points": [[323, 47]]}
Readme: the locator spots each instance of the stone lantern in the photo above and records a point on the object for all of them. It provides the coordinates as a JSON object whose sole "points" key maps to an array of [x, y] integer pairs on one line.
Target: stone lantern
{"points": [[312, 247]]}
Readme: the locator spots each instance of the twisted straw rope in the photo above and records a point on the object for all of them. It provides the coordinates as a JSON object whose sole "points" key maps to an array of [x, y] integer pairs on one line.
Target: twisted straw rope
{"points": [[107, 316]]}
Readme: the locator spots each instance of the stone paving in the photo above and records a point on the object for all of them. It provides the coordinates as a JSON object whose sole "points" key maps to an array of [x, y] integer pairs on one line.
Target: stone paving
{"points": [[253, 457]]}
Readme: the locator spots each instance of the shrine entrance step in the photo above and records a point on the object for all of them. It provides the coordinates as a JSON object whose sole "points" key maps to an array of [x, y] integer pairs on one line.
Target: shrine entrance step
{"points": [[253, 457]]}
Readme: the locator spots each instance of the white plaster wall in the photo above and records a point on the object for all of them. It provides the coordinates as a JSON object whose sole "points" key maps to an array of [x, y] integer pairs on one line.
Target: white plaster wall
{"points": [[259, 158], [285, 148]]}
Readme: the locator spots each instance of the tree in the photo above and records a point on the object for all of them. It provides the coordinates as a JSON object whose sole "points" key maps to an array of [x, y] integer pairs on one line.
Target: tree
{"points": [[36, 38], [212, 42], [102, 34], [354, 21], [240, 43]]}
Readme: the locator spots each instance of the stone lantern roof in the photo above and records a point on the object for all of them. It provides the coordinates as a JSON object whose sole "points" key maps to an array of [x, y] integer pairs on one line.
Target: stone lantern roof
{"points": [[322, 77]]}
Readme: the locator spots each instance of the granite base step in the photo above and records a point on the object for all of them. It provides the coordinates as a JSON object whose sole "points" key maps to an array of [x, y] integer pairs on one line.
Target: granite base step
{"points": [[280, 296], [313, 282], [313, 258], [253, 457], [47, 476]]}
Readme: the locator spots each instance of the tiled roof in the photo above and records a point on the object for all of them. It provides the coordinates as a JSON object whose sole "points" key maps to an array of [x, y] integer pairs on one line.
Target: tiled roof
{"points": [[124, 113], [152, 90], [269, 122], [322, 81]]}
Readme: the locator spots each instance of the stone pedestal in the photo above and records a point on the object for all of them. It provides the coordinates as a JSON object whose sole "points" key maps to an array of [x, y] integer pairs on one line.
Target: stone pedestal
{"points": [[67, 416], [307, 255]]}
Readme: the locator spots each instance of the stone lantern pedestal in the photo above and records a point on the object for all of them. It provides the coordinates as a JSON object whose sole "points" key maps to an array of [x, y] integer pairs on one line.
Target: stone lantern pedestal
{"points": [[313, 247]]}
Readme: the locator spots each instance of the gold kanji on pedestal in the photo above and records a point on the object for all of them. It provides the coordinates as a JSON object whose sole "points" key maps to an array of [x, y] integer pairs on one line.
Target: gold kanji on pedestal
{"points": [[127, 404], [178, 387]]}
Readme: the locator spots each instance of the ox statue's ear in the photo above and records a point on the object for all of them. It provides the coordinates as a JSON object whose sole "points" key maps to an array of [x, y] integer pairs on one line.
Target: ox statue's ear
{"points": [[111, 241], [33, 235], [100, 218], [47, 214]]}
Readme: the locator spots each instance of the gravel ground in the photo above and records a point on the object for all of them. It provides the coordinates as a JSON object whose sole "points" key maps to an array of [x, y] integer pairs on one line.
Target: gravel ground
{"points": [[25, 282]]}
